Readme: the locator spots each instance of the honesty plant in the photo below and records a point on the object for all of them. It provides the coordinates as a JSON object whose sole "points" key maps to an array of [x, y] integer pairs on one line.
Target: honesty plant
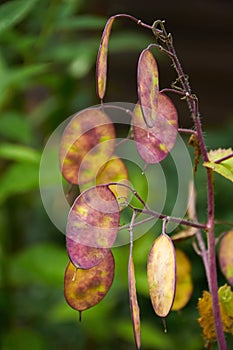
{"points": [[88, 160]]}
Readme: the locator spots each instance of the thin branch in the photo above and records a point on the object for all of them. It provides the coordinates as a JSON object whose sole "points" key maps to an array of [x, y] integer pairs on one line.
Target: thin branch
{"points": [[199, 246], [193, 106], [136, 20], [224, 158], [165, 221], [155, 214], [187, 131], [162, 49], [174, 91], [131, 226], [223, 222], [123, 227]]}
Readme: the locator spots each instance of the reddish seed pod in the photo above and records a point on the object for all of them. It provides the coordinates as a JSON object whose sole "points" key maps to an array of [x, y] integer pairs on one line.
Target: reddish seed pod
{"points": [[154, 144], [148, 87], [92, 226], [88, 141]]}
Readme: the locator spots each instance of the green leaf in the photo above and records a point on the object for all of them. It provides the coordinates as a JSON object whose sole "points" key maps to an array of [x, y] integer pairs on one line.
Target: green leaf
{"points": [[68, 51], [15, 127], [18, 178], [152, 338], [206, 319], [19, 153], [226, 298], [81, 65], [41, 264], [18, 77], [83, 22], [12, 12], [23, 338], [225, 167]]}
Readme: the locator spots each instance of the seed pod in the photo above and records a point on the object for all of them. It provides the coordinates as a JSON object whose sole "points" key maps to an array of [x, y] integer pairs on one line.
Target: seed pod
{"points": [[148, 87], [161, 274], [86, 288], [226, 256], [114, 170], [88, 141], [154, 144], [101, 65], [184, 283], [134, 308], [92, 226]]}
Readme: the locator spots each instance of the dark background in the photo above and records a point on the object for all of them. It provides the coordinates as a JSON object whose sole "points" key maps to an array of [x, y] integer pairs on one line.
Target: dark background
{"points": [[202, 32]]}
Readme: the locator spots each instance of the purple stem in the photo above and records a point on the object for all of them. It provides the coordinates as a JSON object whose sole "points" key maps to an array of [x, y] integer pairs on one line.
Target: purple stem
{"points": [[193, 105], [155, 214], [136, 20], [187, 131], [224, 158]]}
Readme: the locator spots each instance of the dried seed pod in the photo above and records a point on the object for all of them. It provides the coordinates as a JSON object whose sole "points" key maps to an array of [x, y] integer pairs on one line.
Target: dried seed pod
{"points": [[101, 63], [161, 274], [114, 170], [134, 308], [148, 87], [86, 288], [88, 141], [226, 256], [154, 144], [184, 284], [92, 226]]}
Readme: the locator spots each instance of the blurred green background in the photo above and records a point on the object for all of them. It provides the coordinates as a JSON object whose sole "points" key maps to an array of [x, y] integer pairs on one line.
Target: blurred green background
{"points": [[47, 73]]}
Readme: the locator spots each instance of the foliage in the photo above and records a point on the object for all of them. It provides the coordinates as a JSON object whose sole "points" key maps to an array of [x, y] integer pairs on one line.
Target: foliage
{"points": [[206, 318], [48, 51]]}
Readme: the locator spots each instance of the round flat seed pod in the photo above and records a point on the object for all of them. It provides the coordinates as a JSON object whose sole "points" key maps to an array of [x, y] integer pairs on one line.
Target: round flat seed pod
{"points": [[86, 288], [155, 143], [92, 227], [87, 143]]}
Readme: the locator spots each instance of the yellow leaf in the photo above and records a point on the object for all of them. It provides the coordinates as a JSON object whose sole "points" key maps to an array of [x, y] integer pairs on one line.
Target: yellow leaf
{"points": [[206, 319]]}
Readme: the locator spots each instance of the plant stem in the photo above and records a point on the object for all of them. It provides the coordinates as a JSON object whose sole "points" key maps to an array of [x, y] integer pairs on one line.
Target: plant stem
{"points": [[224, 158], [187, 131], [155, 214], [213, 283]]}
